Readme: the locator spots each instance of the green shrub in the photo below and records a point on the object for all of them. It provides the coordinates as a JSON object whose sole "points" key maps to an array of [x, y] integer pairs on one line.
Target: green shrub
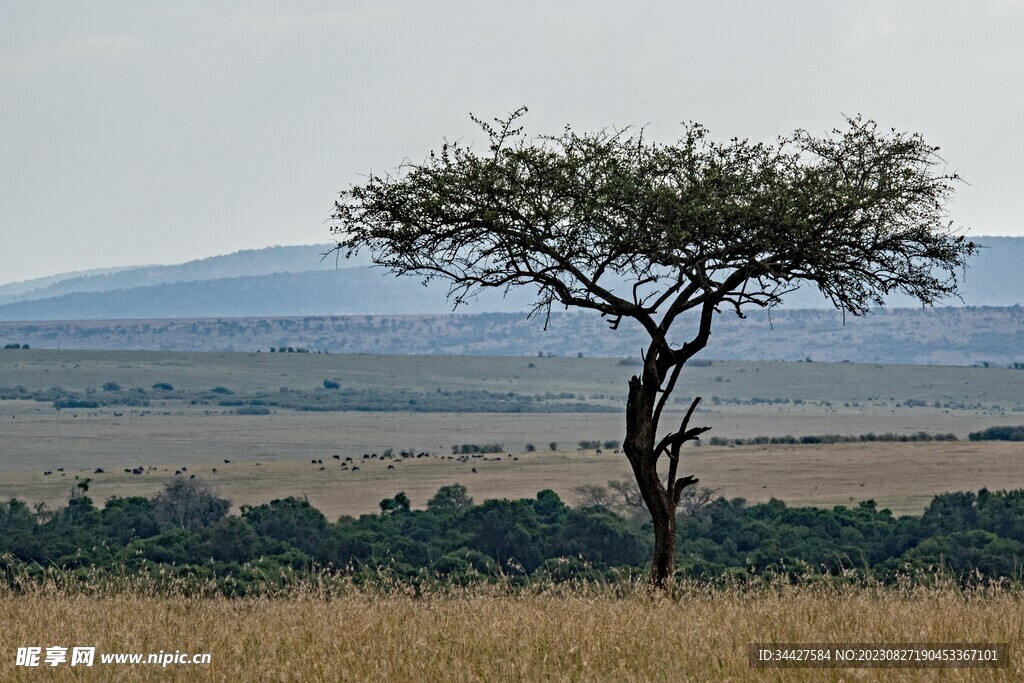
{"points": [[251, 410], [1009, 433]]}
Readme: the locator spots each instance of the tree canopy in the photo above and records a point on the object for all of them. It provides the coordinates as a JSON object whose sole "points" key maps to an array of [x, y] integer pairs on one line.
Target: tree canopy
{"points": [[613, 222]]}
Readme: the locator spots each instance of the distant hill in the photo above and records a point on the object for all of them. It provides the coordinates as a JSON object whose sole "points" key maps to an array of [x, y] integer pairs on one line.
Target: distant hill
{"points": [[249, 262], [289, 281], [325, 292]]}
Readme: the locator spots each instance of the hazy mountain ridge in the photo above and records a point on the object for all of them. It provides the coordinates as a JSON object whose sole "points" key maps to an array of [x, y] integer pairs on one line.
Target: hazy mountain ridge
{"points": [[247, 262], [296, 280], [329, 292]]}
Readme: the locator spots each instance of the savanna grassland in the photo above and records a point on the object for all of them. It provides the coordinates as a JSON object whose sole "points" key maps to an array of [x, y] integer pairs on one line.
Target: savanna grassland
{"points": [[168, 412], [427, 405], [490, 633]]}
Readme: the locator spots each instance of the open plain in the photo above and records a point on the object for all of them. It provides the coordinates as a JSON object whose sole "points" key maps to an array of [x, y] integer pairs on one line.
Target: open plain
{"points": [[292, 451]]}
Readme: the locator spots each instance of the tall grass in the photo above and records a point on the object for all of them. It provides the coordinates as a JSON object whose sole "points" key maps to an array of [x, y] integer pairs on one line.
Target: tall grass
{"points": [[334, 629]]}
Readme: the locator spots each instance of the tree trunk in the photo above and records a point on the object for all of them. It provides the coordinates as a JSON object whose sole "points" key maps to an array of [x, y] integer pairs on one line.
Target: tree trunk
{"points": [[663, 565], [643, 410], [639, 447]]}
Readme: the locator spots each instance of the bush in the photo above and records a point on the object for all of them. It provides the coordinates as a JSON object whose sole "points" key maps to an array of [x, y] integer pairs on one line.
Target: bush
{"points": [[330, 384], [251, 410], [188, 504], [111, 386], [1014, 433], [468, 448], [75, 403], [163, 386]]}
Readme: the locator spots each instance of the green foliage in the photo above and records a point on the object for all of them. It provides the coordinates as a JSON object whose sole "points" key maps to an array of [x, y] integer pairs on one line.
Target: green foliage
{"points": [[163, 386], [970, 534], [451, 499], [400, 503], [830, 439], [469, 448], [251, 410], [188, 504], [1014, 433]]}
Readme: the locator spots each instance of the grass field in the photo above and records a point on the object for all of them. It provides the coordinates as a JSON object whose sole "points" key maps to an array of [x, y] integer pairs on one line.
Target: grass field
{"points": [[246, 372], [490, 634], [815, 398]]}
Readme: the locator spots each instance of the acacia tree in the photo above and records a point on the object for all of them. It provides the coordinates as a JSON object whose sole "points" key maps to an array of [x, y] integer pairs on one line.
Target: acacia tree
{"points": [[659, 234]]}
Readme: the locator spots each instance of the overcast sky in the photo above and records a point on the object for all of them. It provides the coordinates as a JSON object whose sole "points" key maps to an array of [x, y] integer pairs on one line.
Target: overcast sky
{"points": [[135, 133]]}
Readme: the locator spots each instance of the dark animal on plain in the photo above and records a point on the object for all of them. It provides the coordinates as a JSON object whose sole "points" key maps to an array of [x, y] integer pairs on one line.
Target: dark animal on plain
{"points": [[177, 472], [215, 470], [47, 472], [336, 457], [184, 469], [355, 468], [322, 469], [474, 470], [226, 462], [98, 470], [192, 476], [391, 467]]}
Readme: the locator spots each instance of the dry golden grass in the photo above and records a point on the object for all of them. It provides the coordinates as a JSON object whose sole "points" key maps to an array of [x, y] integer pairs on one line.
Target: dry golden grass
{"points": [[493, 634]]}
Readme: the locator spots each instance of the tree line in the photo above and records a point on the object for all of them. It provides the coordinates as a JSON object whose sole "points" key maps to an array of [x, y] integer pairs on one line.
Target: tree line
{"points": [[186, 531]]}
